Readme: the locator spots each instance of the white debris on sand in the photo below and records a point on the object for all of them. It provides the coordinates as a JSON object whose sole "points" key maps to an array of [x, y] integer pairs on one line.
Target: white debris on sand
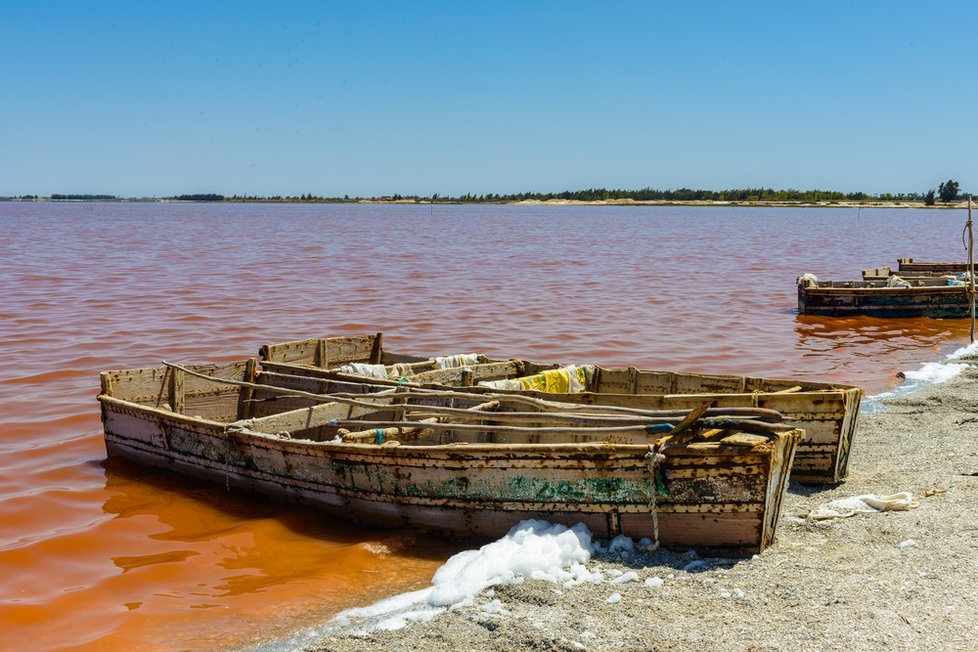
{"points": [[865, 504]]}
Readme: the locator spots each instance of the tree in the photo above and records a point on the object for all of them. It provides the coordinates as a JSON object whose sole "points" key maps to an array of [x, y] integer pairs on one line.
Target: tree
{"points": [[929, 198], [948, 191]]}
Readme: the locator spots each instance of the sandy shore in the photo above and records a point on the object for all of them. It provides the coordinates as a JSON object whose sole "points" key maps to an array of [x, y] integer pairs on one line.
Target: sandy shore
{"points": [[902, 580]]}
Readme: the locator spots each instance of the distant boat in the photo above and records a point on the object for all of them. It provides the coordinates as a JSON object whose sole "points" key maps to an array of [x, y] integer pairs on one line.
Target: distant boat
{"points": [[908, 267], [470, 465], [912, 296], [827, 412]]}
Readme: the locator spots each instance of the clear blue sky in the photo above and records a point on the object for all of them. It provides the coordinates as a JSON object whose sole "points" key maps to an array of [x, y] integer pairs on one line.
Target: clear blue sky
{"points": [[370, 98]]}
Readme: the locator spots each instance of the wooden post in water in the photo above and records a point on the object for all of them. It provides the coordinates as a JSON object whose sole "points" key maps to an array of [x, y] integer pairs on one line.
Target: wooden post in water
{"points": [[971, 269]]}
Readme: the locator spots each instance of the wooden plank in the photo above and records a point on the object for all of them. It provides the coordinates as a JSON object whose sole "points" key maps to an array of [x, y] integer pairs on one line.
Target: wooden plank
{"points": [[339, 350], [246, 395], [377, 349], [176, 392], [321, 358]]}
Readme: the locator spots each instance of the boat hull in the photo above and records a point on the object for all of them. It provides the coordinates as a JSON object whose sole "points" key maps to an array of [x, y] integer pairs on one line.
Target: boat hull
{"points": [[938, 302], [704, 495]]}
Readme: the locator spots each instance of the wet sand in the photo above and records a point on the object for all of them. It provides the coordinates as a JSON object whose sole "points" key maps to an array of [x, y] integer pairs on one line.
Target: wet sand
{"points": [[900, 580]]}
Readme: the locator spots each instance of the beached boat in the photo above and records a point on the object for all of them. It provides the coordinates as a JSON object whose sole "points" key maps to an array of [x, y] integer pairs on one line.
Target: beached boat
{"points": [[463, 464], [827, 412], [934, 297]]}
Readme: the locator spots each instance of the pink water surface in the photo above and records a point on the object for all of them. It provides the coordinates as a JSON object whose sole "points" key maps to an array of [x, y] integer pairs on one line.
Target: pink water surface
{"points": [[100, 554]]}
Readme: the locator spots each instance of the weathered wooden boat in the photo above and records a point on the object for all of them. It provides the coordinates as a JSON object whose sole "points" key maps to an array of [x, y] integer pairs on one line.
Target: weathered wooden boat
{"points": [[909, 268], [886, 273], [459, 463], [827, 412], [911, 297]]}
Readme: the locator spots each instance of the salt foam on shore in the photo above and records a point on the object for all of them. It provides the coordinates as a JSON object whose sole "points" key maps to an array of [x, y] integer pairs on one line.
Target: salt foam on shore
{"points": [[532, 549], [929, 373]]}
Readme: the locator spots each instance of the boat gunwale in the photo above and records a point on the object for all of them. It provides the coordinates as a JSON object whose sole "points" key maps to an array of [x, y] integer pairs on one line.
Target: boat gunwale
{"points": [[239, 428]]}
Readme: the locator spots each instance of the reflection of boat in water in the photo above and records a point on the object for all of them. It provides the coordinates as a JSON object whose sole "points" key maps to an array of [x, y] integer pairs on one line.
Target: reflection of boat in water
{"points": [[463, 464], [827, 412], [180, 545]]}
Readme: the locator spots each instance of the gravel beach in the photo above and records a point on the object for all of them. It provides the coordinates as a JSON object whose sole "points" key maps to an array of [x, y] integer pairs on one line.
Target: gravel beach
{"points": [[896, 580]]}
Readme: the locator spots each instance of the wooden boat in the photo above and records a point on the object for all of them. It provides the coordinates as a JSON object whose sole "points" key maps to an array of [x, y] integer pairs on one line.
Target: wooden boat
{"points": [[828, 413], [884, 274], [924, 297], [909, 268], [718, 485]]}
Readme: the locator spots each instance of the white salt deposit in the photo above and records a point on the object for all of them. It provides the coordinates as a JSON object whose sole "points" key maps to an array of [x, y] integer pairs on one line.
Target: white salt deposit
{"points": [[532, 549], [614, 598], [724, 593], [495, 607], [630, 576], [930, 372], [654, 581], [963, 351], [936, 372], [738, 594], [909, 543], [621, 545], [580, 574]]}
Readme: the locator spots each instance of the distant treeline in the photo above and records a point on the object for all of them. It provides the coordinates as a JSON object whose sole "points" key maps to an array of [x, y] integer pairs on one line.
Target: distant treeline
{"points": [[199, 197], [603, 194], [688, 194], [588, 195], [82, 197]]}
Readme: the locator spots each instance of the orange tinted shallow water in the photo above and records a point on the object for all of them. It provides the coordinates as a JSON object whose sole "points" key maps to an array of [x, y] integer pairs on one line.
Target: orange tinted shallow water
{"points": [[100, 554]]}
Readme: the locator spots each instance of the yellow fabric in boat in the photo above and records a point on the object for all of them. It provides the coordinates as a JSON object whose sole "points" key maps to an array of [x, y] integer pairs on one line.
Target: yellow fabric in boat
{"points": [[566, 380]]}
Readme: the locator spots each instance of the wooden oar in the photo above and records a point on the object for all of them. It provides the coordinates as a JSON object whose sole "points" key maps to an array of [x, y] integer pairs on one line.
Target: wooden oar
{"points": [[745, 425], [690, 418]]}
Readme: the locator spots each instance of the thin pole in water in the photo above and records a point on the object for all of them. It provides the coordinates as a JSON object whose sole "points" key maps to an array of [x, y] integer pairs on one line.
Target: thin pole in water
{"points": [[971, 269]]}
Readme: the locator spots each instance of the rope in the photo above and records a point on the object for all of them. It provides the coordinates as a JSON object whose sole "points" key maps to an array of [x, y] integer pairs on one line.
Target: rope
{"points": [[653, 459]]}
